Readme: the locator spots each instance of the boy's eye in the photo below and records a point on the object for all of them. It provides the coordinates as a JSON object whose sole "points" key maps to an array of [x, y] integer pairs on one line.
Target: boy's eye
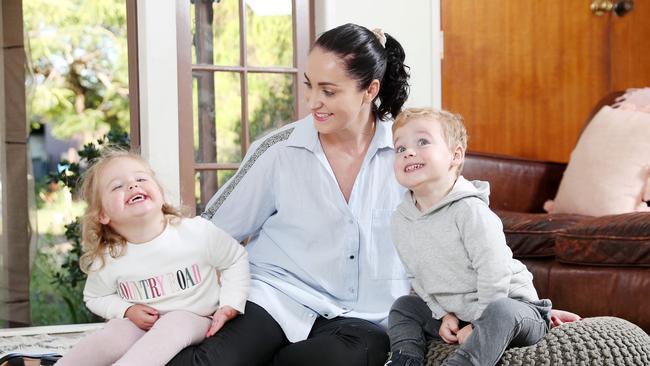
{"points": [[422, 142], [400, 149], [141, 180], [115, 188]]}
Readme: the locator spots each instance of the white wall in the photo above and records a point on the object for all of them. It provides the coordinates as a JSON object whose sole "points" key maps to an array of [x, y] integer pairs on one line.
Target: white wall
{"points": [[159, 91], [414, 23]]}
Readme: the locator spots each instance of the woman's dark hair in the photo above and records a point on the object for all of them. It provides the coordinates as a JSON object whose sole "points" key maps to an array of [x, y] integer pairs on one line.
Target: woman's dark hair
{"points": [[366, 59]]}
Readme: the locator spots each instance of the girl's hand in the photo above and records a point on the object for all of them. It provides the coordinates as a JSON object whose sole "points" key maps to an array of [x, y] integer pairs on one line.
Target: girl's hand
{"points": [[464, 333], [559, 317], [142, 315], [449, 328], [220, 317]]}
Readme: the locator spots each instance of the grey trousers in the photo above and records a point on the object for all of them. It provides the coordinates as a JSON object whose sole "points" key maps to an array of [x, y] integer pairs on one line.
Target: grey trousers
{"points": [[504, 323]]}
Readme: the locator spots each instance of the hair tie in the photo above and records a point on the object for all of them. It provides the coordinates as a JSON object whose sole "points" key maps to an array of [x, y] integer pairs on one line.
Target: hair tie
{"points": [[381, 37]]}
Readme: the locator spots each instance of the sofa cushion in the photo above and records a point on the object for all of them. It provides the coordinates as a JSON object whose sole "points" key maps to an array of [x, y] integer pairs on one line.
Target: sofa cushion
{"points": [[533, 235], [609, 169], [615, 240]]}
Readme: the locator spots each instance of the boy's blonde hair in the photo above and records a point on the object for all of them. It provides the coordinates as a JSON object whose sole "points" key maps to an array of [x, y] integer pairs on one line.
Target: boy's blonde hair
{"points": [[452, 125], [98, 239]]}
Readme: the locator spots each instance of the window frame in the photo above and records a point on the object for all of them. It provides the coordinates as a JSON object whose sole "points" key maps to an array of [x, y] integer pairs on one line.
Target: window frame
{"points": [[303, 34]]}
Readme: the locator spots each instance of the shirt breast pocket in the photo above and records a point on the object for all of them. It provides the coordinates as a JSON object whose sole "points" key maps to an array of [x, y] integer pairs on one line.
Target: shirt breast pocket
{"points": [[384, 261]]}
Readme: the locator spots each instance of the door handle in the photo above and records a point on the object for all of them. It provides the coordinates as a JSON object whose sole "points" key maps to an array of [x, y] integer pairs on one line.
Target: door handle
{"points": [[620, 7]]}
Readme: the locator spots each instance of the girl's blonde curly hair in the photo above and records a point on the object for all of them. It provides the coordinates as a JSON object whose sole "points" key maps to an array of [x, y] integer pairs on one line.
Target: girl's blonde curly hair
{"points": [[98, 239]]}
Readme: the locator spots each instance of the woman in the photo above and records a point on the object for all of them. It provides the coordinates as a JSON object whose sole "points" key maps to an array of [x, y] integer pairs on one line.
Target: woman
{"points": [[316, 196]]}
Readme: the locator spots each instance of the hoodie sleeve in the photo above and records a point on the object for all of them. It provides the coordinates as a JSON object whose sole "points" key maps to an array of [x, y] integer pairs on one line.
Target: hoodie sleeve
{"points": [[483, 238], [437, 310], [231, 260]]}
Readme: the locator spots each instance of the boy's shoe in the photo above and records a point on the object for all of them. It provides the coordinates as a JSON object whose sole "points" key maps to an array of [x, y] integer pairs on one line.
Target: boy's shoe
{"points": [[400, 359]]}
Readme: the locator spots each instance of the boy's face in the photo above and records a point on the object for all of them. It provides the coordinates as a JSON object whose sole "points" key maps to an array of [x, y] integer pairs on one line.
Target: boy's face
{"points": [[422, 158]]}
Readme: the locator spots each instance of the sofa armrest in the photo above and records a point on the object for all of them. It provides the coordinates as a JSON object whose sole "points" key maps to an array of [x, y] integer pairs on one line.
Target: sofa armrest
{"points": [[516, 184]]}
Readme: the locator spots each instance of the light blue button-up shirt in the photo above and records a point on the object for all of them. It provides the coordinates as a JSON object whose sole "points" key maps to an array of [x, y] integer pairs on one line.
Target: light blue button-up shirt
{"points": [[312, 253]]}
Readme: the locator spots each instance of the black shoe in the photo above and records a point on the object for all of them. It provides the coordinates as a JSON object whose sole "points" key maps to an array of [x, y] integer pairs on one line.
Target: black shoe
{"points": [[400, 359]]}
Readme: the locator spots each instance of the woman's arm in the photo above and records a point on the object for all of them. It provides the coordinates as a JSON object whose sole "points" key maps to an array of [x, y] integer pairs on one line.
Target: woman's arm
{"points": [[243, 204]]}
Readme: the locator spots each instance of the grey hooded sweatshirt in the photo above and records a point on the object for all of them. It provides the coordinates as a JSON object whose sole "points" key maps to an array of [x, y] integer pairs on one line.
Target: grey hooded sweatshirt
{"points": [[457, 254]]}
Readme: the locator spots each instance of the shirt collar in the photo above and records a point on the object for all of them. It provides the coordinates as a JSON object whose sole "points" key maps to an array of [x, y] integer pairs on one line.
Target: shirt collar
{"points": [[305, 135]]}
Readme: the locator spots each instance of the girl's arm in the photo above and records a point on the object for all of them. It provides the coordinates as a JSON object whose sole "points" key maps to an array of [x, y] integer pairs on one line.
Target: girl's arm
{"points": [[102, 298], [231, 260]]}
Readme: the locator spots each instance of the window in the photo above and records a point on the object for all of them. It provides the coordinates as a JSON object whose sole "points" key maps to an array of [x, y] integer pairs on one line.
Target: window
{"points": [[246, 59]]}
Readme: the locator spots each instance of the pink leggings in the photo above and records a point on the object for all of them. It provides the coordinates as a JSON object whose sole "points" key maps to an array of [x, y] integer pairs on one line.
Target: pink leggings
{"points": [[121, 342]]}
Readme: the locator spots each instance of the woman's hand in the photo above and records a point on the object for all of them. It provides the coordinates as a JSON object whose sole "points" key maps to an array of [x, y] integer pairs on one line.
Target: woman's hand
{"points": [[142, 316], [559, 317], [220, 317], [449, 328]]}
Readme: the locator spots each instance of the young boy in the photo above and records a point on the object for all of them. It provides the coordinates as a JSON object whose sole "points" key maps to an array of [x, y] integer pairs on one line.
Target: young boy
{"points": [[470, 289]]}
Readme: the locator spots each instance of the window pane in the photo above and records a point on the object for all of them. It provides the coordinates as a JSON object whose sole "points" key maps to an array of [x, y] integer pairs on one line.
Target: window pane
{"points": [[206, 185], [215, 30], [270, 102], [222, 91], [269, 32]]}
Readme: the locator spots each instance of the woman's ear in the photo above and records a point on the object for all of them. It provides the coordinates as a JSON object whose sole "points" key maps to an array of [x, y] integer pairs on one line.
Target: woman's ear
{"points": [[372, 91]]}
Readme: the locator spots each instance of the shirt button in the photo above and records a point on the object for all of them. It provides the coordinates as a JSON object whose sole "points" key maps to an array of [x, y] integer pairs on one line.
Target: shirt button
{"points": [[352, 257], [326, 315]]}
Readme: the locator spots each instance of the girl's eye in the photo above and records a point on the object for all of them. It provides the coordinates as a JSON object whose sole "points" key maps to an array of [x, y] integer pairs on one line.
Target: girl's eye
{"points": [[422, 142], [400, 149]]}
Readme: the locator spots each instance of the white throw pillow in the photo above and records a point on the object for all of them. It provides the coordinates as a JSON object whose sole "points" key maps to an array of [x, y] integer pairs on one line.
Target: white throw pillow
{"points": [[609, 169]]}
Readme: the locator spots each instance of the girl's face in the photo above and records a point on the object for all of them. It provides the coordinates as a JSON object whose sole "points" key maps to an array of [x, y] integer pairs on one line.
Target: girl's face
{"points": [[335, 101], [129, 193]]}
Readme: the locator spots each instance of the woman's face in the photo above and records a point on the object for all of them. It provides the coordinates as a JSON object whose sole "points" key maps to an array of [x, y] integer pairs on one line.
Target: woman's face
{"points": [[334, 98]]}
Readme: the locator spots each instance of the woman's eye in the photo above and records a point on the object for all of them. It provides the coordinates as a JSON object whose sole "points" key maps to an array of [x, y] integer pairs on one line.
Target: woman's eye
{"points": [[328, 93], [422, 142], [308, 84]]}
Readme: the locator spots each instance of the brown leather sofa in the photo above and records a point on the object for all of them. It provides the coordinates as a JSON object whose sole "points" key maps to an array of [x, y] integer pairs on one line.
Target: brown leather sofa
{"points": [[592, 266]]}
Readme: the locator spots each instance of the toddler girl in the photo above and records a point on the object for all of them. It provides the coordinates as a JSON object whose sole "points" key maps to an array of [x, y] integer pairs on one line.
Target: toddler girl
{"points": [[152, 272]]}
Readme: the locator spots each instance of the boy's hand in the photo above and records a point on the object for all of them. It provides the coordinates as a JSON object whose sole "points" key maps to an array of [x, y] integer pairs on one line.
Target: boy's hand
{"points": [[220, 317], [142, 315], [464, 333], [559, 317], [449, 328]]}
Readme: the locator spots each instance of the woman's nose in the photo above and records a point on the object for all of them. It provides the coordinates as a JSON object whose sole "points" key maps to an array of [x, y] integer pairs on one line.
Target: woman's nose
{"points": [[312, 100]]}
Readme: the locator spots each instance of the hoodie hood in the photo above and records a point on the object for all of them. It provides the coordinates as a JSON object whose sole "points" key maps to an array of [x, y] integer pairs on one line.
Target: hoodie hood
{"points": [[461, 189]]}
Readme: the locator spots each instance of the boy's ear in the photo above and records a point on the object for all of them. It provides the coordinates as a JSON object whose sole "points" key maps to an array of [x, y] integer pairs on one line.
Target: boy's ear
{"points": [[372, 91], [103, 219], [458, 156]]}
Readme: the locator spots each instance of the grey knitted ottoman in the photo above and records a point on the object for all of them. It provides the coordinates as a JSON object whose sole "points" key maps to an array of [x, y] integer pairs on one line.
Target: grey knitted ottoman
{"points": [[591, 341]]}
